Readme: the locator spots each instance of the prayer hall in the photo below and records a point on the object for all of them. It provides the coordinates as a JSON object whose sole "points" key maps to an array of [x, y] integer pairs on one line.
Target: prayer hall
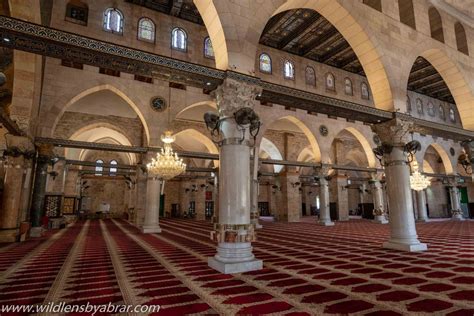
{"points": [[236, 157]]}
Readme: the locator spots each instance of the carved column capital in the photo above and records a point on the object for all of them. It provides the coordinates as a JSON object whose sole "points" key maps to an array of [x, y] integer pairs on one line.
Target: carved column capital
{"points": [[232, 95], [394, 132]]}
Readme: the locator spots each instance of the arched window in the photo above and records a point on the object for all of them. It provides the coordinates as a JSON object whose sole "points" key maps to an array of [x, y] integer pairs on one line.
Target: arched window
{"points": [[436, 25], [208, 50], [265, 64], [364, 91], [146, 30], [442, 114], [179, 39], [310, 76], [431, 109], [407, 13], [419, 106], [99, 167], [461, 41], [288, 70], [348, 86], [113, 170], [113, 21], [452, 115], [77, 12], [408, 104], [330, 82]]}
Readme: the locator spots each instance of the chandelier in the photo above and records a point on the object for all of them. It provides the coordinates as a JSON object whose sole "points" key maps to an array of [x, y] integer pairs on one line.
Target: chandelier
{"points": [[167, 164], [418, 182]]}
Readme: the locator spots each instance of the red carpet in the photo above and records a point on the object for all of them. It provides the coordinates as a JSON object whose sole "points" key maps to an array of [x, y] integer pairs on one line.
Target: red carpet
{"points": [[307, 269]]}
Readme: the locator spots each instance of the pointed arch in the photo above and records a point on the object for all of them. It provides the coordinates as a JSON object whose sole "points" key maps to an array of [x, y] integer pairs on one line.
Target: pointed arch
{"points": [[448, 167], [272, 151], [196, 136], [365, 145]]}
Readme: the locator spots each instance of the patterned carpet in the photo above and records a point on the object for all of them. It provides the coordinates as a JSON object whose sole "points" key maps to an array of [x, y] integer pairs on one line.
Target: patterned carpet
{"points": [[308, 269]]}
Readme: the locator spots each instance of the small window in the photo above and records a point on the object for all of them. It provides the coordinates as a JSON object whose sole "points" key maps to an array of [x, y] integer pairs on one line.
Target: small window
{"points": [[179, 39], [452, 115], [113, 21], [419, 106], [113, 170], [208, 50], [461, 41], [348, 86], [77, 13], [407, 13], [99, 168], [408, 104], [146, 30], [431, 109], [436, 25], [265, 63], [364, 91], [442, 114], [310, 76], [330, 82], [288, 70]]}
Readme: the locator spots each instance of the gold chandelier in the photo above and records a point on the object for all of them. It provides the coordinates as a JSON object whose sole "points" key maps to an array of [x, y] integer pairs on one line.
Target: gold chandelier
{"points": [[167, 164], [418, 182]]}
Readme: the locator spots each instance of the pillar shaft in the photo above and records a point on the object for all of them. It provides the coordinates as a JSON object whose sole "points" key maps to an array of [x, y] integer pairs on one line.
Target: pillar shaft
{"points": [[39, 192], [421, 206], [152, 209], [379, 208], [200, 199], [254, 214], [324, 213], [455, 202]]}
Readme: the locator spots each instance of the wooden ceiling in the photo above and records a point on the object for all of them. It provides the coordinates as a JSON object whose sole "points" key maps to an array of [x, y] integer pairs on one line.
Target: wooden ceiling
{"points": [[425, 79], [184, 9], [304, 32]]}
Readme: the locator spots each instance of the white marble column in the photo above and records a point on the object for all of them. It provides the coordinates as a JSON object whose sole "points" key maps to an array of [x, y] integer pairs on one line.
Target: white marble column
{"points": [[379, 209], [455, 202], [403, 234], [234, 232], [152, 207], [421, 206], [324, 214], [254, 213]]}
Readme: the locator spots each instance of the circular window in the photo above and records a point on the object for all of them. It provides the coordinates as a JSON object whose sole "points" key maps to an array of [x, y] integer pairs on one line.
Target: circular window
{"points": [[451, 151], [376, 139], [158, 104], [323, 130]]}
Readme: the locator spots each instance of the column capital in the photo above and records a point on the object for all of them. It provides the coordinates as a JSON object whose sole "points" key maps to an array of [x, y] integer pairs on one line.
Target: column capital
{"points": [[19, 146], [394, 132], [233, 94]]}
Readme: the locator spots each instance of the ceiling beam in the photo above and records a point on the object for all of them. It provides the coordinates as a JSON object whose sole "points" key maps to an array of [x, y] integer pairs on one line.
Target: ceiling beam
{"points": [[175, 7], [299, 31], [319, 41], [335, 51]]}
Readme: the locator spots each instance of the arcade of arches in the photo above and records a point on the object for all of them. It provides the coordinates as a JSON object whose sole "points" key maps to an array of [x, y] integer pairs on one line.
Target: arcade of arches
{"points": [[303, 125]]}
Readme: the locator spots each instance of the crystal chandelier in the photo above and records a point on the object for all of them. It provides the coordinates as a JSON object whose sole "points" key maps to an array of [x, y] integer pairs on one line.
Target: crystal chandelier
{"points": [[418, 182], [167, 164]]}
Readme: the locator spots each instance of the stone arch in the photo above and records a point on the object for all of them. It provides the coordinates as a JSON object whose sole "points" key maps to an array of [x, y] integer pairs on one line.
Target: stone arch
{"points": [[457, 83], [448, 167], [272, 151], [101, 88], [194, 135], [365, 146], [203, 104]]}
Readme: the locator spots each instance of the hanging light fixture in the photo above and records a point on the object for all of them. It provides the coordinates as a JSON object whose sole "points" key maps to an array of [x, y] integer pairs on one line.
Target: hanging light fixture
{"points": [[167, 164], [418, 181]]}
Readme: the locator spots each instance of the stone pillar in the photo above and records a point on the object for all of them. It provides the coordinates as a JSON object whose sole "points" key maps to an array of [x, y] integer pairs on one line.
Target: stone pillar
{"points": [[184, 194], [215, 196], [342, 197], [421, 206], [152, 212], [379, 208], [200, 199], [324, 214], [394, 135], [43, 159], [254, 214], [140, 198], [12, 198], [456, 212], [291, 198], [234, 232]]}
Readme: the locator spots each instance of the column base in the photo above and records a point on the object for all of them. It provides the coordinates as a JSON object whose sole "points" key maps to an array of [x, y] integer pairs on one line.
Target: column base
{"points": [[380, 219], [258, 226], [36, 231], [325, 223], [457, 217], [8, 235], [151, 229], [234, 267], [405, 247]]}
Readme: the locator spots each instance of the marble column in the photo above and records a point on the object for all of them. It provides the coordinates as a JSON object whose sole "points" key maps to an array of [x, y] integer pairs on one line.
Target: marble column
{"points": [[324, 213], [421, 206], [456, 212], [379, 208], [152, 211], [234, 232], [254, 212], [43, 160], [215, 196], [11, 199], [403, 236]]}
